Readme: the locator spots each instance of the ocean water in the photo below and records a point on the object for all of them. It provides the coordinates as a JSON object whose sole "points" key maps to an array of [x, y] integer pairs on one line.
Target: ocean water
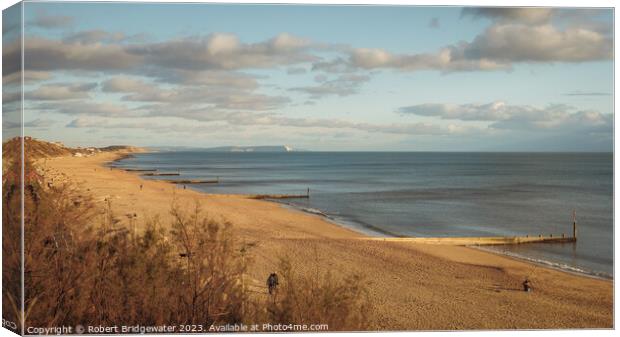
{"points": [[430, 194]]}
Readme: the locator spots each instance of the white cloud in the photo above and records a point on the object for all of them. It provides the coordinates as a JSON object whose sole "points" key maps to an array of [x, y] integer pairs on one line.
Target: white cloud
{"points": [[288, 42], [219, 96], [60, 91], [586, 93], [51, 21], [145, 125], [224, 51], [47, 55], [529, 15], [29, 76], [343, 85], [516, 35], [102, 51], [446, 60], [498, 47], [246, 118], [517, 117], [35, 124], [81, 107], [544, 43], [209, 78], [466, 112], [137, 89], [94, 36]]}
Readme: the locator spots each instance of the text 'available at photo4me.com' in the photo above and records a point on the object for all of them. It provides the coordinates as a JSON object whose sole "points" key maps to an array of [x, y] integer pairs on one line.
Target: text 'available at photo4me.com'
{"points": [[169, 329]]}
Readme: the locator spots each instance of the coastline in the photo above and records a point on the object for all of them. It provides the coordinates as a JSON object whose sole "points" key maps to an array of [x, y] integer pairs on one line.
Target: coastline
{"points": [[519, 257], [278, 229], [548, 264], [373, 231], [340, 222]]}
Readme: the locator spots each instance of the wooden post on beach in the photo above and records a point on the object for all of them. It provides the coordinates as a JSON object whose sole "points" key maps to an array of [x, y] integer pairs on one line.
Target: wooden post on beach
{"points": [[243, 251], [574, 224]]}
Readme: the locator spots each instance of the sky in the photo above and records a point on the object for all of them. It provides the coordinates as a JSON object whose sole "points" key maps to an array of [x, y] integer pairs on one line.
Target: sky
{"points": [[324, 78]]}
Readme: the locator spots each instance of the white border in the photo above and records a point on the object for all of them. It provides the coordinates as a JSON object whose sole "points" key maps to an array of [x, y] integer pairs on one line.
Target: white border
{"points": [[495, 3]]}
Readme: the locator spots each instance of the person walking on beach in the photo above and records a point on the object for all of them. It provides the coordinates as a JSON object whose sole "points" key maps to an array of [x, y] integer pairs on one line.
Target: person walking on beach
{"points": [[527, 287], [272, 282], [140, 187]]}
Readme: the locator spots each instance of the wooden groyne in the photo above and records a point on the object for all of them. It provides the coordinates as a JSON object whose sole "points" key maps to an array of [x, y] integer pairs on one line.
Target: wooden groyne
{"points": [[191, 181], [141, 170], [487, 240], [481, 241], [279, 196], [155, 174]]}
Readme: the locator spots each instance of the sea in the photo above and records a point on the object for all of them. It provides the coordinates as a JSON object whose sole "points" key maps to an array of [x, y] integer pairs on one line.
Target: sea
{"points": [[428, 194]]}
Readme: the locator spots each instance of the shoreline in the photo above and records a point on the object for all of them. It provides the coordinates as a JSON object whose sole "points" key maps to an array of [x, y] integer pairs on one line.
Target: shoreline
{"points": [[539, 262], [412, 286], [372, 231], [549, 264], [517, 257], [336, 222]]}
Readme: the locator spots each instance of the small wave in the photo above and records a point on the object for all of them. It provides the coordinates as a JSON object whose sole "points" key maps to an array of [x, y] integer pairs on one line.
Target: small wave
{"points": [[554, 265], [313, 211], [309, 210], [356, 226]]}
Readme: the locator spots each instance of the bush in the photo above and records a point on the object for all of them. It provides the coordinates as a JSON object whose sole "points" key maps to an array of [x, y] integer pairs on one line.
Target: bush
{"points": [[319, 298], [83, 267], [211, 278], [11, 232]]}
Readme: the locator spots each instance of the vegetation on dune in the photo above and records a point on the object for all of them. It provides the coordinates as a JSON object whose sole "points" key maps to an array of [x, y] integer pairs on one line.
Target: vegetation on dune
{"points": [[11, 243], [319, 296], [36, 149], [82, 266]]}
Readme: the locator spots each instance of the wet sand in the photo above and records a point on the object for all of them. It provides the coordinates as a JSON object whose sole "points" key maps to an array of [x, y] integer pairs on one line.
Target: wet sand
{"points": [[413, 286]]}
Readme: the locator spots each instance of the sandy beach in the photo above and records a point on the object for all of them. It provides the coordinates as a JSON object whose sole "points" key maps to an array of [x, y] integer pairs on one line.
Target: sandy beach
{"points": [[413, 286]]}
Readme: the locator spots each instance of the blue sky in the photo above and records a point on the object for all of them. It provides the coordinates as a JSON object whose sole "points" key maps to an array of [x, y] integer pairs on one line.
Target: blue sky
{"points": [[315, 77]]}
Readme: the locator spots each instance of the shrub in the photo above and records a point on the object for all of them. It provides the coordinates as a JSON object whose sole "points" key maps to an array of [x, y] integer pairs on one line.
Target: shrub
{"points": [[212, 272], [11, 232], [82, 266], [318, 297]]}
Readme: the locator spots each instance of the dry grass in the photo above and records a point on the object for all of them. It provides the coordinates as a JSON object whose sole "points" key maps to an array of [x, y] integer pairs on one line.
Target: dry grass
{"points": [[316, 296], [11, 245], [82, 266]]}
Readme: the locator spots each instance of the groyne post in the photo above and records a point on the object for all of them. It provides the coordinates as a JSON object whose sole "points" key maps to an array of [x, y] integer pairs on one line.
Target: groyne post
{"points": [[574, 224]]}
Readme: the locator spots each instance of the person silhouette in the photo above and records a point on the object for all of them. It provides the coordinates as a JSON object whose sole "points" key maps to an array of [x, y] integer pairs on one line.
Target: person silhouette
{"points": [[272, 282], [527, 286]]}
